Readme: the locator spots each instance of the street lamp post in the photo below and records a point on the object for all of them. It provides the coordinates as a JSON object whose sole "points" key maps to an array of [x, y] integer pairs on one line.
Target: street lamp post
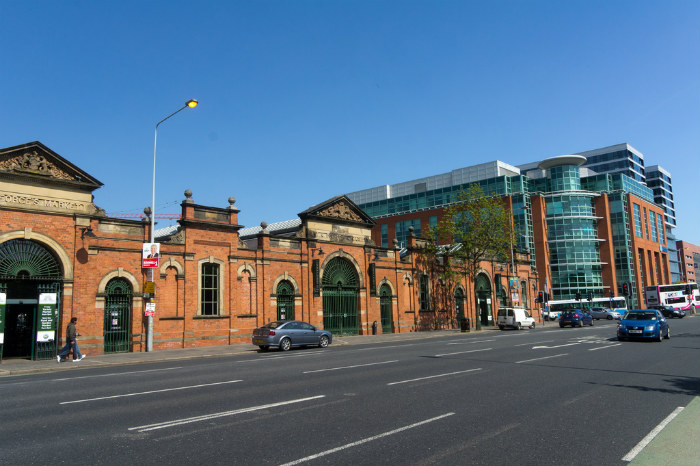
{"points": [[189, 104]]}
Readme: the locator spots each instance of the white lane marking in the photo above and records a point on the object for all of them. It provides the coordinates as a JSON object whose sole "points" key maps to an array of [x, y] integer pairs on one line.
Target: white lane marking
{"points": [[283, 356], [433, 376], [365, 440], [545, 357], [604, 347], [349, 367], [149, 392], [469, 342], [463, 352], [526, 344], [556, 346], [206, 417], [114, 374], [650, 436]]}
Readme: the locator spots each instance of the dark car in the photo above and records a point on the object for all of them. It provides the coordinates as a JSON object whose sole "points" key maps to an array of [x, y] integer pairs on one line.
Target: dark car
{"points": [[669, 311], [287, 333], [575, 318], [640, 323]]}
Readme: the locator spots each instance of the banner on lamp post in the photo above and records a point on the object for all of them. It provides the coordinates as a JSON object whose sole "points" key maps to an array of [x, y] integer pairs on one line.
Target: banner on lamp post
{"points": [[150, 257]]}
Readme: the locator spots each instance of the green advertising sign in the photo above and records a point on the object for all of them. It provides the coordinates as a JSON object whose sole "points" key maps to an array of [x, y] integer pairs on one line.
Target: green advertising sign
{"points": [[3, 298], [48, 313]]}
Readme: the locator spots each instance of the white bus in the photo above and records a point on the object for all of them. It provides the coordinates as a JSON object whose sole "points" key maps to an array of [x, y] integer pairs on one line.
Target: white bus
{"points": [[618, 303], [673, 295]]}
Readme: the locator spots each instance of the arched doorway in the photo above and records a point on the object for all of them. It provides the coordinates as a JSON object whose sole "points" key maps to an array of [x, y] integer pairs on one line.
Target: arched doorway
{"points": [[459, 303], [483, 299], [117, 326], [385, 309], [30, 285], [285, 301], [340, 286]]}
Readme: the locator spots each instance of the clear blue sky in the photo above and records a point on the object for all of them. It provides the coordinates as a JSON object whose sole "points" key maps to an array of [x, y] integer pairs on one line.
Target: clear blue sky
{"points": [[304, 100]]}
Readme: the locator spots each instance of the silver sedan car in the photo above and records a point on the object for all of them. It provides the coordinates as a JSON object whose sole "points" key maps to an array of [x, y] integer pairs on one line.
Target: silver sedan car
{"points": [[605, 313], [287, 333]]}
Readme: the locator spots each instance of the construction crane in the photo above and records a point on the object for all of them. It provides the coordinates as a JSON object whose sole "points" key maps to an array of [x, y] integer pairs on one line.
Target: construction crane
{"points": [[163, 216]]}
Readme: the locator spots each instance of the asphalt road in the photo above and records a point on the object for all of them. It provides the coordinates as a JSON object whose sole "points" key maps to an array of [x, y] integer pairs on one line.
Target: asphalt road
{"points": [[542, 396]]}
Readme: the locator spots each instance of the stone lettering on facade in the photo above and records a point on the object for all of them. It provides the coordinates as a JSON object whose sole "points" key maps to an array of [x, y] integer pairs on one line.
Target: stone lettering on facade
{"points": [[30, 201]]}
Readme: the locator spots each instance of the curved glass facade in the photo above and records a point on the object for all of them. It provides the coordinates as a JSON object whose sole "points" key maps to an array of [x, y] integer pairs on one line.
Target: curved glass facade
{"points": [[572, 226]]}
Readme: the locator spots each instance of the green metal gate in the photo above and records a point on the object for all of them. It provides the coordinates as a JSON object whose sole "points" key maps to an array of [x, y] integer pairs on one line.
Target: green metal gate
{"points": [[117, 325], [28, 269], [285, 301], [385, 308], [340, 297]]}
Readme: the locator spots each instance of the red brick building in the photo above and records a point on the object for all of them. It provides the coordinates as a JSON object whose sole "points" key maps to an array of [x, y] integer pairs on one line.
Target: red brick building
{"points": [[689, 257], [61, 256]]}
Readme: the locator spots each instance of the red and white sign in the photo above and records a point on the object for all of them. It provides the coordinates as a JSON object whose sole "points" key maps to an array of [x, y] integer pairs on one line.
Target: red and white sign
{"points": [[151, 255], [150, 309]]}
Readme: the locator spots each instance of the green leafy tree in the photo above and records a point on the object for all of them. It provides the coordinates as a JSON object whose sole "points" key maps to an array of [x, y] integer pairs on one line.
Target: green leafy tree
{"points": [[476, 228]]}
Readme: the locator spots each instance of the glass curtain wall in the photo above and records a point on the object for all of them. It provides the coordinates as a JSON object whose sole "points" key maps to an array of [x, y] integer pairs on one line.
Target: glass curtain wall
{"points": [[573, 235]]}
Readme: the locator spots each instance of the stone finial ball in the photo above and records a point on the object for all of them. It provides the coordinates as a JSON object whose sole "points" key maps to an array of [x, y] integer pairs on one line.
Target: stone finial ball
{"points": [[188, 194], [231, 200], [263, 225]]}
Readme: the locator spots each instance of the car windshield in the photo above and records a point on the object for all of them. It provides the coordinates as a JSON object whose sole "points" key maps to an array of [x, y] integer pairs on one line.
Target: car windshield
{"points": [[640, 316]]}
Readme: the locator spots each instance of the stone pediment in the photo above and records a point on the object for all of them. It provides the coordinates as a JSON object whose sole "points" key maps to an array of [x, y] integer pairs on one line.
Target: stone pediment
{"points": [[339, 209], [35, 160]]}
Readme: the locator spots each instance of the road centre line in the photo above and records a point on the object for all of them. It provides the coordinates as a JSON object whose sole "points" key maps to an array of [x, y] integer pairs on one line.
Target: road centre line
{"points": [[114, 373], [149, 392], [349, 367], [604, 347], [545, 357], [463, 352], [468, 342], [650, 436], [533, 343], [206, 417], [365, 440], [283, 356], [433, 376]]}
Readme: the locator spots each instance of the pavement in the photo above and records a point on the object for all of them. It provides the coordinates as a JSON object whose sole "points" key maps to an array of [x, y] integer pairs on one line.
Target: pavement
{"points": [[672, 446]]}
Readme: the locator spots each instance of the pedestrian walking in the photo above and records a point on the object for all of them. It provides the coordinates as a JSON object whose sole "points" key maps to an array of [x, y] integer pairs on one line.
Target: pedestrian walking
{"points": [[71, 343]]}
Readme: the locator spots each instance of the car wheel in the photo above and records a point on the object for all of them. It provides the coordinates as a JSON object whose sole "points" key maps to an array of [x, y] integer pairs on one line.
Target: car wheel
{"points": [[609, 317], [517, 326], [323, 341], [285, 344], [501, 327], [619, 338], [659, 338], [591, 322], [561, 326], [264, 347], [668, 334], [533, 325]]}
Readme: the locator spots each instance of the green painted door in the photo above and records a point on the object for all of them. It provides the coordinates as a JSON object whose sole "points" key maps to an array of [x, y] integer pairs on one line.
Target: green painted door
{"points": [[117, 324], [385, 308], [340, 286], [285, 301]]}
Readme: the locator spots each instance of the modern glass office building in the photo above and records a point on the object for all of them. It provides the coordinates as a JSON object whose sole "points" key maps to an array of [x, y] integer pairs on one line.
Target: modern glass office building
{"points": [[659, 180], [592, 242]]}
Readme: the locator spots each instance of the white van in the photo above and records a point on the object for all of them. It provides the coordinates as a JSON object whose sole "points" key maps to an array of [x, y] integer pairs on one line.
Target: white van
{"points": [[514, 317]]}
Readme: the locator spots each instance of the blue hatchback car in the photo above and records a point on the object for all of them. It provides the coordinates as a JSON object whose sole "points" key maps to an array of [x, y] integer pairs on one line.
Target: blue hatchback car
{"points": [[640, 323], [575, 318]]}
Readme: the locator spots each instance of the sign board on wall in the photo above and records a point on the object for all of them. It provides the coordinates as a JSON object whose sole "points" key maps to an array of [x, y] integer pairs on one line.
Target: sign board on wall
{"points": [[48, 312], [3, 298], [150, 309]]}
